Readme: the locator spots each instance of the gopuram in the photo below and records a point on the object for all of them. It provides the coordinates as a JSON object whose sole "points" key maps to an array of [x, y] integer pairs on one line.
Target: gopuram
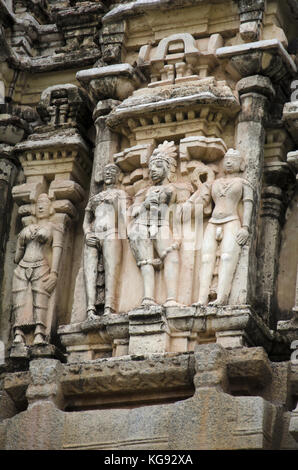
{"points": [[148, 224]]}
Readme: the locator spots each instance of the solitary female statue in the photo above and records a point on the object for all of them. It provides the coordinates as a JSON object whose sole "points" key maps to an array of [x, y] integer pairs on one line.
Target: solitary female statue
{"points": [[38, 253]]}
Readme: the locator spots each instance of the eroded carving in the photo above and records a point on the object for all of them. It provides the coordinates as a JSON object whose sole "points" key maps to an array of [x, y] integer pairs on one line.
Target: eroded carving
{"points": [[150, 230], [38, 254], [225, 228], [104, 220]]}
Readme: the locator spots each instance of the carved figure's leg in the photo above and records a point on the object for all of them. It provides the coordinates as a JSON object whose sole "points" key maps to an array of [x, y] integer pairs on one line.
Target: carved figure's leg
{"points": [[167, 249], [208, 259], [90, 270], [143, 251], [20, 292], [112, 254], [40, 303], [230, 251]]}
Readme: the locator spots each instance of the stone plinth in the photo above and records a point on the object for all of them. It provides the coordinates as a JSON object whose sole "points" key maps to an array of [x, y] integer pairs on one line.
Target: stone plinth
{"points": [[158, 329], [239, 386], [92, 339], [148, 331]]}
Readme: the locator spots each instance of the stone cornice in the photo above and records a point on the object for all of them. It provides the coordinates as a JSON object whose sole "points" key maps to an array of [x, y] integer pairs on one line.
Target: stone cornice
{"points": [[141, 6]]}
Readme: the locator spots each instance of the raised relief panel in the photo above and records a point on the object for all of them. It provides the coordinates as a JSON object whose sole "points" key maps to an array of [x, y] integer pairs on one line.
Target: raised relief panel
{"points": [[173, 236]]}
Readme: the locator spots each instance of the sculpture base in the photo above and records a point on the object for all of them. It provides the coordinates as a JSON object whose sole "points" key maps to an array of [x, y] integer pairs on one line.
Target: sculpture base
{"points": [[158, 329], [289, 329], [148, 330], [20, 351], [167, 401]]}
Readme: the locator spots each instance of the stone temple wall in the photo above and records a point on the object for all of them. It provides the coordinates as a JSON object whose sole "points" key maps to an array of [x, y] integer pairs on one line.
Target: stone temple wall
{"points": [[148, 224]]}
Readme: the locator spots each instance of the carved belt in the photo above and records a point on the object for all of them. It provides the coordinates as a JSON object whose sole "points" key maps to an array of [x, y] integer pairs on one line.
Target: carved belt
{"points": [[32, 264]]}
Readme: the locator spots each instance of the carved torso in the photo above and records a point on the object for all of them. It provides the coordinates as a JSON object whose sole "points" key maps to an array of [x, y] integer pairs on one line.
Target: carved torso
{"points": [[35, 238], [226, 194], [105, 207], [156, 202]]}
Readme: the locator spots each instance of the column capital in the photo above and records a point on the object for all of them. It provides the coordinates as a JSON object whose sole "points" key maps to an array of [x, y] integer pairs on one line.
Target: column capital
{"points": [[256, 84]]}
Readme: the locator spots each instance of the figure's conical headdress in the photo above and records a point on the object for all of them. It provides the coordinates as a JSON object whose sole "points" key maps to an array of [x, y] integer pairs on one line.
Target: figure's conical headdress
{"points": [[167, 152]]}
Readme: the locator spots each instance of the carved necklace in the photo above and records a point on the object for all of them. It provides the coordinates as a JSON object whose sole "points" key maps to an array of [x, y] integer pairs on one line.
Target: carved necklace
{"points": [[224, 187], [33, 231]]}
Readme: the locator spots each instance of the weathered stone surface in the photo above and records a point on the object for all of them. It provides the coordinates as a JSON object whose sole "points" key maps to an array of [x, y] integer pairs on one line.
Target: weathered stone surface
{"points": [[182, 332], [40, 428]]}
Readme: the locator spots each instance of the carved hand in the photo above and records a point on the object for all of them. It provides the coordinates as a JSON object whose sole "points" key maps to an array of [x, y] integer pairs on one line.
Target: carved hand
{"points": [[50, 282], [90, 239], [151, 199], [242, 236], [136, 211]]}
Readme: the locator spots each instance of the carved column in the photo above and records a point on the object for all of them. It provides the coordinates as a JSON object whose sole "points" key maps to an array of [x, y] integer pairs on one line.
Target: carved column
{"points": [[8, 172], [278, 178], [106, 142], [289, 328], [250, 137]]}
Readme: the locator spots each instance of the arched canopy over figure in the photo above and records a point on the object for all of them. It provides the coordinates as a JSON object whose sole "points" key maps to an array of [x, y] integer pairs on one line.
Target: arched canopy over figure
{"points": [[38, 253], [225, 227], [104, 214], [150, 234]]}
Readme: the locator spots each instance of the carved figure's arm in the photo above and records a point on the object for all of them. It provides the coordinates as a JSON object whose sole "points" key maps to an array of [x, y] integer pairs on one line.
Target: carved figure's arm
{"points": [[20, 249], [51, 281], [88, 219], [136, 207], [90, 238], [201, 196], [243, 233]]}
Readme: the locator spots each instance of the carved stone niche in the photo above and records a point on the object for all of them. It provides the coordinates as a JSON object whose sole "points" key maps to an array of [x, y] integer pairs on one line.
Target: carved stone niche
{"points": [[37, 292], [79, 23], [57, 168], [161, 279]]}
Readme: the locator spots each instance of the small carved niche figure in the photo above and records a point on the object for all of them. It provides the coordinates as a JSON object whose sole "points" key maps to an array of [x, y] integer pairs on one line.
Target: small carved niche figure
{"points": [[104, 220], [38, 253], [5, 171], [150, 230], [225, 228]]}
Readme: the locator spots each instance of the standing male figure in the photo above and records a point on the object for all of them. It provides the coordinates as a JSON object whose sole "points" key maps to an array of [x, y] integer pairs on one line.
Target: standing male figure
{"points": [[103, 215], [150, 235]]}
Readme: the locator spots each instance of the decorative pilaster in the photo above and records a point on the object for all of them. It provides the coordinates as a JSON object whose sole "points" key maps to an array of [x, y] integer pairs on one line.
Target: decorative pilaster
{"points": [[289, 328], [45, 382], [254, 93], [278, 178], [57, 166]]}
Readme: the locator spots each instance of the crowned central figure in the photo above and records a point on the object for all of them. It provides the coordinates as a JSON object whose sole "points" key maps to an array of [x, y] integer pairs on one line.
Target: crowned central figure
{"points": [[150, 234]]}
